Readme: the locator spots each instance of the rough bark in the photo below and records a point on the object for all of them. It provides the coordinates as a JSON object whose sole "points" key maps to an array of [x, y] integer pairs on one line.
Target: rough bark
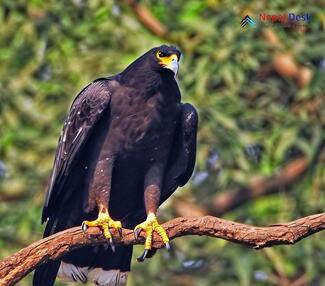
{"points": [[15, 267]]}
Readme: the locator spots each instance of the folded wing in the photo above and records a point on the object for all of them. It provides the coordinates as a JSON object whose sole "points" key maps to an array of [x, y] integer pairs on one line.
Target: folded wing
{"points": [[183, 154], [84, 113]]}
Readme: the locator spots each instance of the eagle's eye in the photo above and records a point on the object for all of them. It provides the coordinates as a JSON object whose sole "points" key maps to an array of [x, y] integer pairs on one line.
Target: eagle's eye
{"points": [[161, 55]]}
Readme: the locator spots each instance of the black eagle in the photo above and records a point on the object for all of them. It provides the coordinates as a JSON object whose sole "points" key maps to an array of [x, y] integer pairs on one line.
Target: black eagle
{"points": [[126, 146]]}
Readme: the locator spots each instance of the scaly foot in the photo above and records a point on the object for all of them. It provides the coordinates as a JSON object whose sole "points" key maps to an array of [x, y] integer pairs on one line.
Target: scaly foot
{"points": [[149, 226], [105, 222]]}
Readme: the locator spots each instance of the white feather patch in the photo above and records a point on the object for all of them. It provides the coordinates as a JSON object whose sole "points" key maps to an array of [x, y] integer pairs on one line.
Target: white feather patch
{"points": [[108, 277], [70, 273]]}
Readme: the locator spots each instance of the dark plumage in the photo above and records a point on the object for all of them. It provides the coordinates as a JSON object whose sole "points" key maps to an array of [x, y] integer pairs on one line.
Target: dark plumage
{"points": [[127, 144]]}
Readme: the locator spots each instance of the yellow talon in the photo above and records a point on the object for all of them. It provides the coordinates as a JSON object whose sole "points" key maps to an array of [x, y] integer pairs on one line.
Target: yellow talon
{"points": [[149, 226], [105, 222]]}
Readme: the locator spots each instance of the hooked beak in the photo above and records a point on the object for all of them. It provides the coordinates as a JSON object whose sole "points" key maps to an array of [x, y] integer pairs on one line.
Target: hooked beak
{"points": [[171, 63]]}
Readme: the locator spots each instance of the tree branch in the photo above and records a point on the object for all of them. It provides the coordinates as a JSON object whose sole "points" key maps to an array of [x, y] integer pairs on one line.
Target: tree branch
{"points": [[15, 267], [6, 197], [258, 186], [145, 16], [261, 186]]}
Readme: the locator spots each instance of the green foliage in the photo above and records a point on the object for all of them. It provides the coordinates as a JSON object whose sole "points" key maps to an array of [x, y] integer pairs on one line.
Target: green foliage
{"points": [[254, 119]]}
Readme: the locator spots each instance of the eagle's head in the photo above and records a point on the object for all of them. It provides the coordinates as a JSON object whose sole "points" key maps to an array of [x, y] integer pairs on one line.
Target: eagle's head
{"points": [[148, 69], [167, 57]]}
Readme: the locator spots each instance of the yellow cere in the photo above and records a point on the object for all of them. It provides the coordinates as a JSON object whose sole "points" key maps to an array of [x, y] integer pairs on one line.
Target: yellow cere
{"points": [[166, 60]]}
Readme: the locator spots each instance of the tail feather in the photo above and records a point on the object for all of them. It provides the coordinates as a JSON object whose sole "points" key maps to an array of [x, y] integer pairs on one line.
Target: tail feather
{"points": [[46, 273], [98, 264], [71, 273]]}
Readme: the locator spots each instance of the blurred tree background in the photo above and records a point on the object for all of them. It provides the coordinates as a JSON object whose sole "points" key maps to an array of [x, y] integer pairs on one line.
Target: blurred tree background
{"points": [[260, 95]]}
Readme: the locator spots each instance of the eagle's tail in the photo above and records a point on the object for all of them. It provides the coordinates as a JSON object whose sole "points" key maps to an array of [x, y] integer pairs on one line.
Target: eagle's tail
{"points": [[98, 276], [46, 273], [97, 264]]}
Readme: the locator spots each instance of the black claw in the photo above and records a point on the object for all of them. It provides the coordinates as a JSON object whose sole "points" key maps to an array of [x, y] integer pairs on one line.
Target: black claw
{"points": [[143, 256], [167, 246], [137, 233], [84, 227], [111, 243], [120, 232]]}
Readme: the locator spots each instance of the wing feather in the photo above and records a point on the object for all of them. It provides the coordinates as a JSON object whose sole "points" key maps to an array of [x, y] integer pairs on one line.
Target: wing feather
{"points": [[183, 154], [85, 111]]}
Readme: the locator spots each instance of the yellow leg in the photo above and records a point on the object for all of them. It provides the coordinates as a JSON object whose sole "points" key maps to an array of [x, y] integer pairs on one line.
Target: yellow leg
{"points": [[149, 226], [105, 222]]}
